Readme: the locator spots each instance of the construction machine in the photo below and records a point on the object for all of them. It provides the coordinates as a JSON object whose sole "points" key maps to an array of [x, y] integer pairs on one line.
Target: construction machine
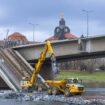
{"points": [[30, 84], [71, 86], [66, 86]]}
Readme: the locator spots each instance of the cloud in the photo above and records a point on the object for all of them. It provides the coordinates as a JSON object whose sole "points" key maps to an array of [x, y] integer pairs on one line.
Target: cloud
{"points": [[38, 36], [16, 14]]}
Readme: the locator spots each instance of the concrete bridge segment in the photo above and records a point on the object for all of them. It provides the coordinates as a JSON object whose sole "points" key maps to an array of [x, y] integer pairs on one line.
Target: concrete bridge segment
{"points": [[15, 65], [67, 49]]}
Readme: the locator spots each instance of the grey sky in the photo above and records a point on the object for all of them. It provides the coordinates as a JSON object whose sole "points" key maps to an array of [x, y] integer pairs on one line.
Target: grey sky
{"points": [[15, 15]]}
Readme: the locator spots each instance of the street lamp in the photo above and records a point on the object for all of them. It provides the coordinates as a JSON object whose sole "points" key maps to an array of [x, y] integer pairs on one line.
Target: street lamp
{"points": [[87, 15], [33, 25]]}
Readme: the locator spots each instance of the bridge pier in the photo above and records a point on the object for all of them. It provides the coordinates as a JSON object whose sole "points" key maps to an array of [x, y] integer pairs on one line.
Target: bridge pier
{"points": [[46, 71]]}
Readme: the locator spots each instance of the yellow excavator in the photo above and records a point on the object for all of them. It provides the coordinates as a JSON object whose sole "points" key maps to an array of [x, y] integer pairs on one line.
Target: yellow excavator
{"points": [[66, 86], [30, 84]]}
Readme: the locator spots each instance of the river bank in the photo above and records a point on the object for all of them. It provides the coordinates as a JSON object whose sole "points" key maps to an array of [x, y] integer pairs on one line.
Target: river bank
{"points": [[37, 98], [93, 80]]}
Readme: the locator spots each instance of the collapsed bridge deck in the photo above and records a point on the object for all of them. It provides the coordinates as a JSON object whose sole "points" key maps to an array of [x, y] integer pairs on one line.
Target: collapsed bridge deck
{"points": [[13, 67]]}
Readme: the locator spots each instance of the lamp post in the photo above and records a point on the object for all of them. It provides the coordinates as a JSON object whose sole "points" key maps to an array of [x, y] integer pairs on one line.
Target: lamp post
{"points": [[33, 25], [6, 39], [87, 15]]}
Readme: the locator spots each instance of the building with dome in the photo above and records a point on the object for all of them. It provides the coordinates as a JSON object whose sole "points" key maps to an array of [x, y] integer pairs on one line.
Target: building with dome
{"points": [[15, 39], [62, 32], [16, 36]]}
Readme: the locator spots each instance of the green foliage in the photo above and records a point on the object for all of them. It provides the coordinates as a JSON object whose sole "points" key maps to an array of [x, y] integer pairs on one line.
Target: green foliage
{"points": [[85, 76]]}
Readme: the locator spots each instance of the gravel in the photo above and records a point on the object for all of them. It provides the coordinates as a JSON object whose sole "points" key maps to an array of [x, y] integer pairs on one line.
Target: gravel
{"points": [[73, 100]]}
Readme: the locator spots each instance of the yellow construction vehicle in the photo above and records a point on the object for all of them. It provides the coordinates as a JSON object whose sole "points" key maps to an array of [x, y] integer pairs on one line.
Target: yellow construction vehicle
{"points": [[29, 84], [68, 87]]}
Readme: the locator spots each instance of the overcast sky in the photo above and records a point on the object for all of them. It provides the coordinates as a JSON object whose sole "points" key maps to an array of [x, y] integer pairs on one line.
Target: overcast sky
{"points": [[16, 15]]}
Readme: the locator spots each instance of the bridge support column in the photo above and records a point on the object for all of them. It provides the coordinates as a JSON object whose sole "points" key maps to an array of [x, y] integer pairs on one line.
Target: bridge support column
{"points": [[46, 71]]}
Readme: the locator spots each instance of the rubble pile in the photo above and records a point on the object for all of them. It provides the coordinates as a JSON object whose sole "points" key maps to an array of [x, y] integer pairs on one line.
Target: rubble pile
{"points": [[37, 97]]}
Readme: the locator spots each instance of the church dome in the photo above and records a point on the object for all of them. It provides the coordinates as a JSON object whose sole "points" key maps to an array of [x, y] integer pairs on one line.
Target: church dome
{"points": [[17, 37]]}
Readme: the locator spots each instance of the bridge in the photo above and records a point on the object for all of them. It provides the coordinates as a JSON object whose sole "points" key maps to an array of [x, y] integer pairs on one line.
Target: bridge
{"points": [[15, 62], [67, 49]]}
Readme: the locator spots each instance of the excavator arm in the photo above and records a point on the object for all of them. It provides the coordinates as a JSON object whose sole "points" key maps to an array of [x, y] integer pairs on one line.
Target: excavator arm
{"points": [[47, 49], [41, 59]]}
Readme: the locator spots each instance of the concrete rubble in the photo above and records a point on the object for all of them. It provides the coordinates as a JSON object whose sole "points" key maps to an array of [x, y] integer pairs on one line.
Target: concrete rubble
{"points": [[37, 96]]}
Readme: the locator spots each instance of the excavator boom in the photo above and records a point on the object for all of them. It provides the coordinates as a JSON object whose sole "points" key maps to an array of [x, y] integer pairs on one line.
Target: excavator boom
{"points": [[47, 49], [41, 59]]}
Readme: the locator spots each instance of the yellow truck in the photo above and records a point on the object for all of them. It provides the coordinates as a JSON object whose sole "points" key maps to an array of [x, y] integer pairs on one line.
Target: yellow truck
{"points": [[68, 87]]}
